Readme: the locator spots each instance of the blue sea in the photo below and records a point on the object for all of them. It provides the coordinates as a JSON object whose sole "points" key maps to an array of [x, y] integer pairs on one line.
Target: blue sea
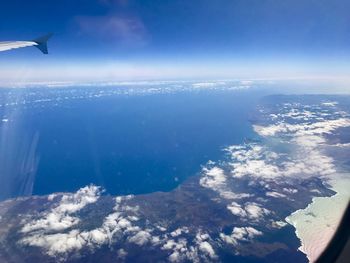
{"points": [[126, 143]]}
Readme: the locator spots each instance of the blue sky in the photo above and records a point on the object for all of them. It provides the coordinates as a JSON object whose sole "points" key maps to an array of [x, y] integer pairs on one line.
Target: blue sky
{"points": [[127, 39]]}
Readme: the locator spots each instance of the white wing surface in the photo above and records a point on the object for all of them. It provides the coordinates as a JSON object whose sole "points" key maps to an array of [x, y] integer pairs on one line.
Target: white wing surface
{"points": [[40, 43]]}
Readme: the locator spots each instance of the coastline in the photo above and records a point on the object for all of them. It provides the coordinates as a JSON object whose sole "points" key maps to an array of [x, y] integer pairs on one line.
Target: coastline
{"points": [[316, 224]]}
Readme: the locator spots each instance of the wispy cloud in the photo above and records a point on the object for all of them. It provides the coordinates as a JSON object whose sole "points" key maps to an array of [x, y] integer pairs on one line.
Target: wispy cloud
{"points": [[120, 29]]}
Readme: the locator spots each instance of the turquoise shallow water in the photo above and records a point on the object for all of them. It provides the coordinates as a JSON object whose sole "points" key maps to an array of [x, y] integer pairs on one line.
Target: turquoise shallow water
{"points": [[129, 144]]}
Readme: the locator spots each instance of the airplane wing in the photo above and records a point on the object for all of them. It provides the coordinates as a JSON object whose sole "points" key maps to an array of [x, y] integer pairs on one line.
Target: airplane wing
{"points": [[40, 43]]}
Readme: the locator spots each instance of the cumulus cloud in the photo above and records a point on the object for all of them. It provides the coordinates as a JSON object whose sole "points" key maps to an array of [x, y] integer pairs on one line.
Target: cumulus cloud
{"points": [[308, 135], [240, 234], [121, 224], [197, 249], [55, 244], [214, 178], [178, 248], [306, 159], [60, 217], [202, 240], [236, 209], [140, 238], [255, 211], [253, 160], [317, 128], [179, 231], [207, 249], [251, 210], [117, 224]]}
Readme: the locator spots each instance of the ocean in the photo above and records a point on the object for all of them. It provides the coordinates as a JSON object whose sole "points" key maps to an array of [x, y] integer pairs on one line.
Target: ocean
{"points": [[126, 143]]}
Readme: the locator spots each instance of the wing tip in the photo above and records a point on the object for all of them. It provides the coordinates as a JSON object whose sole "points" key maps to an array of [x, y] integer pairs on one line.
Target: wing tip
{"points": [[42, 43]]}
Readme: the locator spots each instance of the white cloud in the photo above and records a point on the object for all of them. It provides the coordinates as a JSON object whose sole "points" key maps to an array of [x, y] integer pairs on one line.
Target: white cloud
{"points": [[240, 234], [121, 254], [207, 84], [251, 210], [60, 218], [275, 194], [279, 224], [140, 238], [317, 128], [330, 103], [182, 249], [213, 178], [255, 211], [206, 248], [258, 168], [236, 209], [290, 190], [306, 159], [179, 231], [179, 249], [232, 196], [115, 225], [175, 257], [241, 85], [56, 244], [202, 240]]}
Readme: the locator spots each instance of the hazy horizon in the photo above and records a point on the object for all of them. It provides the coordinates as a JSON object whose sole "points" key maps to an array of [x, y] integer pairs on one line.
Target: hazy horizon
{"points": [[116, 40]]}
